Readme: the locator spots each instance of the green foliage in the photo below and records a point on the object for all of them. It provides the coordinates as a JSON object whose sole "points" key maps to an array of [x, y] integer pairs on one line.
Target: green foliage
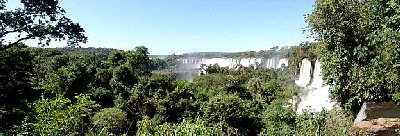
{"points": [[358, 44], [159, 64], [41, 19], [269, 89], [233, 111], [272, 52], [15, 86], [179, 103], [111, 120], [72, 79], [337, 122], [277, 119], [185, 128], [163, 98], [128, 68], [245, 101], [359, 48], [298, 53], [103, 96], [160, 84], [101, 53], [124, 75], [214, 69], [62, 117], [310, 124]]}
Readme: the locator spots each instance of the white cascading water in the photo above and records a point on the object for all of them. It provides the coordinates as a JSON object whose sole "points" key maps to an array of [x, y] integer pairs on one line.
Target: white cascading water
{"points": [[195, 63], [305, 72], [317, 77], [361, 114], [223, 62], [283, 61], [270, 63], [246, 62], [314, 97], [233, 63]]}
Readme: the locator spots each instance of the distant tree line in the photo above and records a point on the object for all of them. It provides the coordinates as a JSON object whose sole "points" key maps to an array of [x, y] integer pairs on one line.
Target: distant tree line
{"points": [[272, 52], [101, 53]]}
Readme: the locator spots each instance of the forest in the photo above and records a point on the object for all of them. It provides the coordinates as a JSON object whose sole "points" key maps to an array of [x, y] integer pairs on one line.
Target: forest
{"points": [[104, 91]]}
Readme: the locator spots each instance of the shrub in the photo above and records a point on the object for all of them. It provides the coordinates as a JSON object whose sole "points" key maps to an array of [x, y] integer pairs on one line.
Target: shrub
{"points": [[60, 117], [235, 112], [113, 120], [185, 128], [277, 119], [335, 122]]}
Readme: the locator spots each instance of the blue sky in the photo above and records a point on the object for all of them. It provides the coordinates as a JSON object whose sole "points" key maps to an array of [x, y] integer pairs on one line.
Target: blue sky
{"points": [[179, 26]]}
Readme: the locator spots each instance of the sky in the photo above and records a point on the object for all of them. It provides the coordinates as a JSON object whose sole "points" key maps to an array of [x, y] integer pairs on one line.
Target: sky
{"points": [[183, 26]]}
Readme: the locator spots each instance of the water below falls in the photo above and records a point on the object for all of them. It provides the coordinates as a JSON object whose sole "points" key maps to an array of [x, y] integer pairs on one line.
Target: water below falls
{"points": [[315, 96]]}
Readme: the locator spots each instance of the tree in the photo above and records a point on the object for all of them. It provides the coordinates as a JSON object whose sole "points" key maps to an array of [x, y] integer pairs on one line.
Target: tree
{"points": [[185, 128], [360, 42], [41, 19], [15, 86], [75, 77], [44, 20], [129, 67], [113, 120], [62, 117], [233, 111], [298, 53], [141, 62]]}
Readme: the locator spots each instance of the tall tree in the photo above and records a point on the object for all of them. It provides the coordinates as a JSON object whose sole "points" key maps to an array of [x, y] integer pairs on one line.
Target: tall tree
{"points": [[15, 88], [360, 42], [38, 19], [44, 20]]}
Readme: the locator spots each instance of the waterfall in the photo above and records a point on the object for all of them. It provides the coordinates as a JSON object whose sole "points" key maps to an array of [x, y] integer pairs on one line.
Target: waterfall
{"points": [[185, 64], [270, 63], [247, 62], [283, 61], [361, 114], [317, 77], [233, 62], [314, 97], [222, 62], [275, 63], [305, 72]]}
